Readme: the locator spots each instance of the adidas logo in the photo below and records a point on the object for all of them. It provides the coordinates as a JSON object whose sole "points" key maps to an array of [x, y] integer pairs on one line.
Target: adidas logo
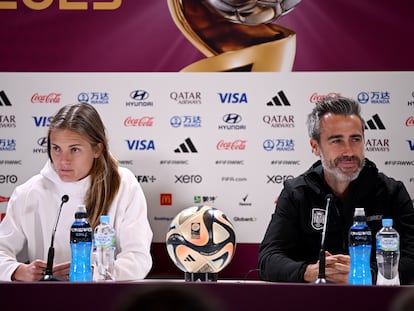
{"points": [[375, 123], [4, 101], [279, 100], [186, 147], [189, 258]]}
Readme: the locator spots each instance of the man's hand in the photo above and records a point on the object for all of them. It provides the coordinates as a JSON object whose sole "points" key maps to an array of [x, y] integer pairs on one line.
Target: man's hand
{"points": [[336, 269]]}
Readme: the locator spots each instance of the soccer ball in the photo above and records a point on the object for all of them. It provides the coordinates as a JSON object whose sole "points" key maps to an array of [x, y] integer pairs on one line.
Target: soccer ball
{"points": [[201, 239]]}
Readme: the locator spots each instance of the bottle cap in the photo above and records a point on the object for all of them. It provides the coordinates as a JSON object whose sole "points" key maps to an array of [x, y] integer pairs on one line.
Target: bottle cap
{"points": [[104, 219], [387, 222], [81, 212], [359, 211]]}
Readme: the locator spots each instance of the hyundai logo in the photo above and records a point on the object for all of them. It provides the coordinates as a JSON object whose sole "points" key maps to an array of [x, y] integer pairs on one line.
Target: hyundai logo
{"points": [[139, 95]]}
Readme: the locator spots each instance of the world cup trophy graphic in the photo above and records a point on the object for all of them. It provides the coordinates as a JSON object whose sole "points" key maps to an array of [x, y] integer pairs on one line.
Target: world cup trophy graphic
{"points": [[236, 35]]}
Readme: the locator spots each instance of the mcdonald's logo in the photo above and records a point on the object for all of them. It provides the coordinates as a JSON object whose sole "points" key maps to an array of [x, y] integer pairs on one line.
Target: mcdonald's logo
{"points": [[166, 199]]}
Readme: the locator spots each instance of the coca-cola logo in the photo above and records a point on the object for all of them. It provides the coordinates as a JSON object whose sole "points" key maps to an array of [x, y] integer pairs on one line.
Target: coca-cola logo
{"points": [[410, 121], [51, 98], [315, 97], [239, 144], [144, 121]]}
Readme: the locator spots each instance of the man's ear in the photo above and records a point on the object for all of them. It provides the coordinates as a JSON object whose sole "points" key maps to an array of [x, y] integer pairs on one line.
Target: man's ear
{"points": [[315, 147]]}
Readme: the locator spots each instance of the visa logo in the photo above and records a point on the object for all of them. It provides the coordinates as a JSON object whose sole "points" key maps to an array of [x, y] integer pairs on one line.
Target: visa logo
{"points": [[411, 144], [42, 121], [142, 144], [233, 98]]}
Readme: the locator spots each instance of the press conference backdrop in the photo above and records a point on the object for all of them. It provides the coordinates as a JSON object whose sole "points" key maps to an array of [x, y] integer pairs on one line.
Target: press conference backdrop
{"points": [[206, 138]]}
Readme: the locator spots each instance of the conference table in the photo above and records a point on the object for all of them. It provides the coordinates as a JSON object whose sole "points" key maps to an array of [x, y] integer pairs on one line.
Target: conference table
{"points": [[227, 294]]}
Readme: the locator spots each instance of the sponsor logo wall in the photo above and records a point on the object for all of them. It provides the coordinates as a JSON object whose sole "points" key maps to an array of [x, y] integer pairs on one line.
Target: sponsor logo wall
{"points": [[203, 138]]}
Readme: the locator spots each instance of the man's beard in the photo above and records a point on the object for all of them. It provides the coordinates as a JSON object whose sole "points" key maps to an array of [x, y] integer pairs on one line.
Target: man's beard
{"points": [[333, 169]]}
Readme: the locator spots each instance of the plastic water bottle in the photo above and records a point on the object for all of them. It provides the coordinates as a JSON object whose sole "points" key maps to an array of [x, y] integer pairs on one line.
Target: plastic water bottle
{"points": [[388, 254], [104, 250], [81, 245], [360, 250]]}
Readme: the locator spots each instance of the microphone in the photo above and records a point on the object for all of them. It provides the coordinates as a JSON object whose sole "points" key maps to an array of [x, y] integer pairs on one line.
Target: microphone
{"points": [[321, 274], [48, 275]]}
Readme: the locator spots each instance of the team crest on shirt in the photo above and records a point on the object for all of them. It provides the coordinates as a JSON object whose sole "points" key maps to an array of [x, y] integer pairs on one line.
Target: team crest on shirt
{"points": [[318, 218]]}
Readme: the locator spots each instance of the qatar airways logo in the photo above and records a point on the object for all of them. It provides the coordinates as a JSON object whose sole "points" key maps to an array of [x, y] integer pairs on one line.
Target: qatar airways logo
{"points": [[238, 144], [315, 97], [410, 121], [145, 121], [51, 98]]}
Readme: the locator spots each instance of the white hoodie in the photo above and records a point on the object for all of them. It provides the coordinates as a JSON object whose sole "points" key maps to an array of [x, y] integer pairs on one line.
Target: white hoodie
{"points": [[26, 231]]}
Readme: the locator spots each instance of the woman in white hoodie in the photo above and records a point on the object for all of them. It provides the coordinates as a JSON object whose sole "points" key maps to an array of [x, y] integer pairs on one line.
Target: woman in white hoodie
{"points": [[81, 167]]}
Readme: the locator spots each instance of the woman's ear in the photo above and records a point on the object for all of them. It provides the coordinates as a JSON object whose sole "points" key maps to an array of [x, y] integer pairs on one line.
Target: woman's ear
{"points": [[98, 150]]}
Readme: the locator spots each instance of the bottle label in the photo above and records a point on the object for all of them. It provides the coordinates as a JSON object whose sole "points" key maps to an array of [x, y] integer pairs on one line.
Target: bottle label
{"points": [[104, 240], [388, 244]]}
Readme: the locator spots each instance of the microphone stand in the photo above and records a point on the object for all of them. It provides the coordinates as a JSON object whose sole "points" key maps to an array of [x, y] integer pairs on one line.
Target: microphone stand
{"points": [[321, 273], [48, 275]]}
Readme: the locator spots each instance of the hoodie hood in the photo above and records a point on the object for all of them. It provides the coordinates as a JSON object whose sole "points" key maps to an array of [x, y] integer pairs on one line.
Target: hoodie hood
{"points": [[76, 190]]}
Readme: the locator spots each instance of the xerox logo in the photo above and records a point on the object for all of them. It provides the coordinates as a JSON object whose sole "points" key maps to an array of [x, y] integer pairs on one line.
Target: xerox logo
{"points": [[188, 179], [4, 100], [233, 98], [279, 100], [375, 123], [186, 147], [8, 179], [278, 179]]}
